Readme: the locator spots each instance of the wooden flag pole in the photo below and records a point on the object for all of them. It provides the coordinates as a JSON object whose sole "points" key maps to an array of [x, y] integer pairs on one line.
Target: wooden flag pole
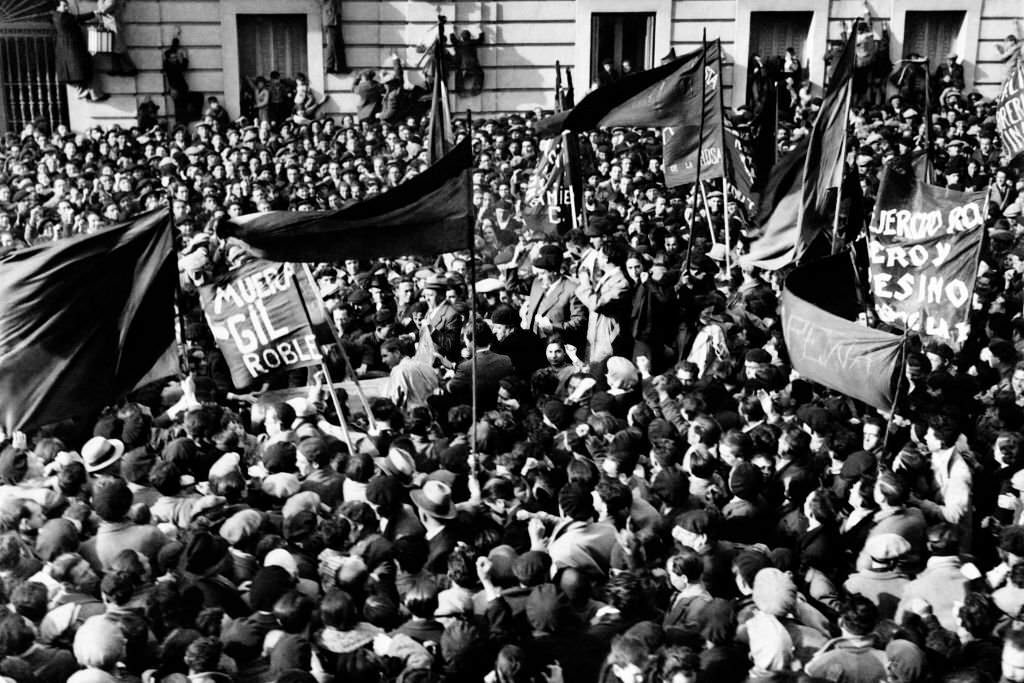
{"points": [[929, 170], [326, 370], [725, 172], [725, 222], [899, 384], [349, 369], [707, 211], [571, 172], [559, 105], [179, 309], [689, 242], [572, 192], [700, 145], [471, 224], [839, 190], [839, 200]]}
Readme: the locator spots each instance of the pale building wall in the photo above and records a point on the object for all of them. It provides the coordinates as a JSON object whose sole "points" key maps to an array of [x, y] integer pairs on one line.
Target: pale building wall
{"points": [[522, 41]]}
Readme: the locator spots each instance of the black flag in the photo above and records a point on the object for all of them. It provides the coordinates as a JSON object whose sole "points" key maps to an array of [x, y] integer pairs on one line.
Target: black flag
{"points": [[649, 98], [439, 136], [428, 214], [778, 214], [825, 162], [697, 127], [82, 321]]}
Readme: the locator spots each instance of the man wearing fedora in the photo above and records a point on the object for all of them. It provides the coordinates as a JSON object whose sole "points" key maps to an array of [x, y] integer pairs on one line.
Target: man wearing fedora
{"points": [[437, 514], [102, 456], [441, 314], [553, 305]]}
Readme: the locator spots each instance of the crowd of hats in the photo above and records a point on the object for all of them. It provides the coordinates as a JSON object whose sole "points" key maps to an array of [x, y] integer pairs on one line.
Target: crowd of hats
{"points": [[716, 518]]}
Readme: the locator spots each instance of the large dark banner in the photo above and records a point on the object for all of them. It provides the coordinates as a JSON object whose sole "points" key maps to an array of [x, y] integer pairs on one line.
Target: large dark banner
{"points": [[83, 321], [646, 99], [426, 215], [1010, 114], [924, 243], [778, 213], [681, 137], [826, 346], [826, 150], [741, 172], [256, 316]]}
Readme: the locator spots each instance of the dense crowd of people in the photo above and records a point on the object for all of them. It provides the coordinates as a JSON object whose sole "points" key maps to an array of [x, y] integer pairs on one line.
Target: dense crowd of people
{"points": [[647, 492]]}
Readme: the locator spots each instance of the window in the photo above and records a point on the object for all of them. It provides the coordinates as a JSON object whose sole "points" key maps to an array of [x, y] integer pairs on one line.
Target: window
{"points": [[932, 35], [271, 42], [772, 33], [625, 37]]}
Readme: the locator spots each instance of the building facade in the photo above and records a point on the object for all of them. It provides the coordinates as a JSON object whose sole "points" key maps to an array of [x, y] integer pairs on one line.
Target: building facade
{"points": [[229, 41]]}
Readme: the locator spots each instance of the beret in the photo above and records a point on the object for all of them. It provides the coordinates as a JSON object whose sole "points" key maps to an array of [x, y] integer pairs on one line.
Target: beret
{"points": [[304, 501], [280, 456], [281, 486], [885, 547], [241, 526], [774, 592]]}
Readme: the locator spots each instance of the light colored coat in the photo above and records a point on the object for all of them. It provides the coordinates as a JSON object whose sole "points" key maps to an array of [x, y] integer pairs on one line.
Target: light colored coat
{"points": [[609, 302]]}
